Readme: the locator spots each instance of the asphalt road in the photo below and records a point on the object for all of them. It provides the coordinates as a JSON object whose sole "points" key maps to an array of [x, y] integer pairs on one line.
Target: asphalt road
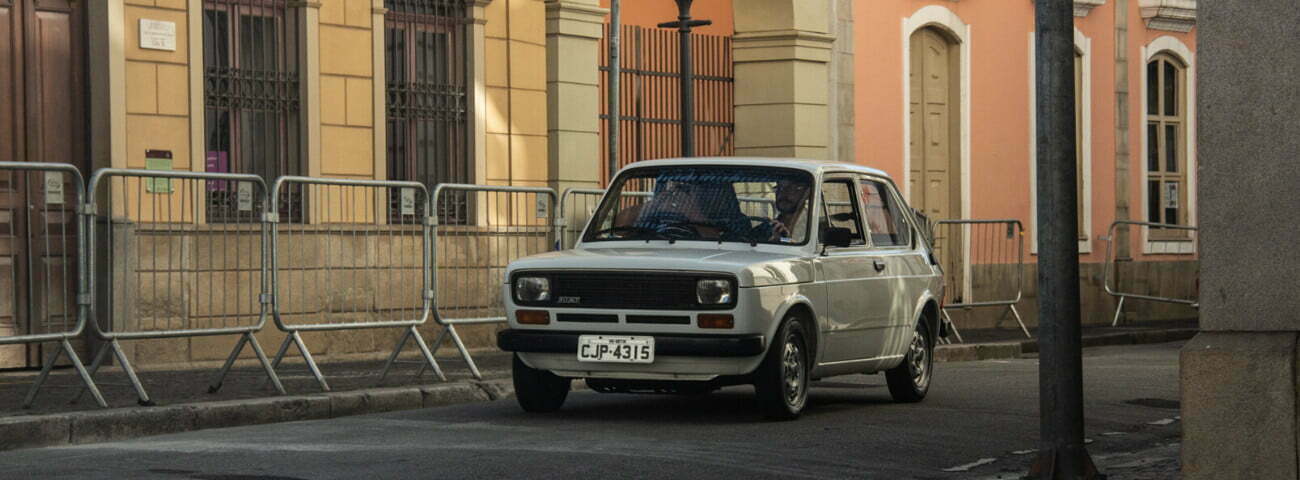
{"points": [[980, 421]]}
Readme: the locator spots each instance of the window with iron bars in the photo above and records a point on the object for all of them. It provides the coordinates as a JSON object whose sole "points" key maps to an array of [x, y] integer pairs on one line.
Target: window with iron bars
{"points": [[427, 65], [251, 96]]}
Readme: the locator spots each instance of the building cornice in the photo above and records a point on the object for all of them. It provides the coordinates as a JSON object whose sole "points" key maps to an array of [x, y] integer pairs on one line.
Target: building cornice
{"points": [[1171, 15], [1083, 7]]}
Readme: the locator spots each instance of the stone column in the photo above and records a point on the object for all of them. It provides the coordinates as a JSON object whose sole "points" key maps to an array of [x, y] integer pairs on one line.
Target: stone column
{"points": [[782, 52], [573, 30], [1239, 375]]}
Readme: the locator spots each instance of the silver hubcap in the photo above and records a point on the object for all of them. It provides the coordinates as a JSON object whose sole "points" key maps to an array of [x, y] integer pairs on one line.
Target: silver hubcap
{"points": [[792, 366], [920, 357]]}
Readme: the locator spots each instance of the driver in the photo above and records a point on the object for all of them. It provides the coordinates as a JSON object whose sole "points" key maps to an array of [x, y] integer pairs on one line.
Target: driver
{"points": [[790, 222]]}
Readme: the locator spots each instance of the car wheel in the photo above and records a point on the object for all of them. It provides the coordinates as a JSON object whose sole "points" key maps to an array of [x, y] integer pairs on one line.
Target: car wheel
{"points": [[781, 382], [538, 390], [910, 380]]}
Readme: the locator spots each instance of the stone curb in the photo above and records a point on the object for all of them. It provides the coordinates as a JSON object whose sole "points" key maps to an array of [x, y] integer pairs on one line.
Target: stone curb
{"points": [[124, 423], [969, 352]]}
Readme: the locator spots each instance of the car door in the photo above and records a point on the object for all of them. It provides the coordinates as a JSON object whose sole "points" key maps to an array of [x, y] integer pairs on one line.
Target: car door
{"points": [[906, 272], [856, 300]]}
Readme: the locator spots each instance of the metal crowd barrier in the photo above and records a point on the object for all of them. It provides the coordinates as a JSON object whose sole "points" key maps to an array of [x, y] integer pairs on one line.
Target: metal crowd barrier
{"points": [[1109, 261], [47, 200], [478, 230], [992, 242], [350, 255], [577, 205], [182, 257]]}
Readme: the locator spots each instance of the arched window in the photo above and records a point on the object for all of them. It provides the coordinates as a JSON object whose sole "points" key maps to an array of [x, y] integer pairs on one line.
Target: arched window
{"points": [[1166, 156]]}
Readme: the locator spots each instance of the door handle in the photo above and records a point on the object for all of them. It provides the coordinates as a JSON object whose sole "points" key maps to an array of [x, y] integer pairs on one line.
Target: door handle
{"points": [[880, 265]]}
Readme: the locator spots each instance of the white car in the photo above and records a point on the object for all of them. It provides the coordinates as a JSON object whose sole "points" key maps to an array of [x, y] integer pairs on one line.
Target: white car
{"points": [[694, 274]]}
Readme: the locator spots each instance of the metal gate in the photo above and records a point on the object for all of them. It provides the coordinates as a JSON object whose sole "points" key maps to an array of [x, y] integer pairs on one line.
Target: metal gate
{"points": [[650, 95]]}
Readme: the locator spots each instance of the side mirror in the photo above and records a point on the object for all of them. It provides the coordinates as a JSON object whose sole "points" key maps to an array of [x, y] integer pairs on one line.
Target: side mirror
{"points": [[837, 237]]}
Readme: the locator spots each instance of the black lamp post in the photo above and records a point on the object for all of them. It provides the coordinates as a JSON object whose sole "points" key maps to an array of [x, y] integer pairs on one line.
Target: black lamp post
{"points": [[1060, 367], [683, 26]]}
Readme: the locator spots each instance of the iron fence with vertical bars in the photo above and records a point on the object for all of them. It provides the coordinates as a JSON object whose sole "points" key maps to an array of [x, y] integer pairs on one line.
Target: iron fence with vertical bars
{"points": [[650, 95]]}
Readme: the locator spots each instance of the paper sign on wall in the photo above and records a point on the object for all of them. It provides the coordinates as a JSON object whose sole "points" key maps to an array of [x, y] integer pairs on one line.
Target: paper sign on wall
{"points": [[542, 206], [245, 196], [157, 35], [54, 188], [158, 160], [408, 201]]}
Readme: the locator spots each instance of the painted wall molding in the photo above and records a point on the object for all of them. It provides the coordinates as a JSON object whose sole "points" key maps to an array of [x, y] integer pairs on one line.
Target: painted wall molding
{"points": [[1083, 45], [948, 21]]}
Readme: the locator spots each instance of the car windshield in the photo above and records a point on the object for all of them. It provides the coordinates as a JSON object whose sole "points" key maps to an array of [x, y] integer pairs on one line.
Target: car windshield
{"points": [[710, 203]]}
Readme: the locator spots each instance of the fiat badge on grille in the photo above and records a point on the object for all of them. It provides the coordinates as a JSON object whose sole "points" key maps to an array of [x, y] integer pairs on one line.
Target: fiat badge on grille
{"points": [[569, 300]]}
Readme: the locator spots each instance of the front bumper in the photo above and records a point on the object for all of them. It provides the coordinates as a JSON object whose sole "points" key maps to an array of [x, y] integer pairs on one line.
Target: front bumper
{"points": [[546, 341]]}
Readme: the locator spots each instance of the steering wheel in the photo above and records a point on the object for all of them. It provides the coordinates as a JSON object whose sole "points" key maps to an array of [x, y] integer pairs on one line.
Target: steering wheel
{"points": [[762, 227], [677, 226]]}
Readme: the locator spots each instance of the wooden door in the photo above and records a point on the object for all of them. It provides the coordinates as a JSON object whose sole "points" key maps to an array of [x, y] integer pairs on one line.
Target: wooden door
{"points": [[935, 170], [42, 90]]}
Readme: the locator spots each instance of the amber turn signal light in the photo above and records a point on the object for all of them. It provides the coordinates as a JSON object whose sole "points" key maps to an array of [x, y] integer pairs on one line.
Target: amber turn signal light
{"points": [[714, 320], [533, 317]]}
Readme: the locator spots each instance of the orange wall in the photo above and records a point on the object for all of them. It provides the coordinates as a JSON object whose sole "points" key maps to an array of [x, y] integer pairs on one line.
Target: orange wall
{"points": [[1000, 102], [648, 13]]}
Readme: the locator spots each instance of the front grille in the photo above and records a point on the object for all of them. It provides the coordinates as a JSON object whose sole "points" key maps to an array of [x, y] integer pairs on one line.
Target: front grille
{"points": [[628, 290], [586, 317], [659, 319]]}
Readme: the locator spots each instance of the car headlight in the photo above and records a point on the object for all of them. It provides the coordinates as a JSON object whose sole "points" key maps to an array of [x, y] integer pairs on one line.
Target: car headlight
{"points": [[533, 289], [713, 291]]}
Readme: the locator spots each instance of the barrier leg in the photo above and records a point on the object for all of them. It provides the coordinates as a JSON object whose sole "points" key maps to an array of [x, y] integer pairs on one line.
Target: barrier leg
{"points": [[464, 353], [230, 362], [953, 326], [100, 356], [45, 372], [401, 343], [130, 374], [437, 343], [311, 364], [85, 376], [428, 357], [1021, 321], [64, 348], [1119, 310], [261, 357]]}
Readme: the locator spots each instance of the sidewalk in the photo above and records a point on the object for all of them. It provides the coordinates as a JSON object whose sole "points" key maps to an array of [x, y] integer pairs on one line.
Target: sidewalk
{"points": [[992, 344], [184, 404]]}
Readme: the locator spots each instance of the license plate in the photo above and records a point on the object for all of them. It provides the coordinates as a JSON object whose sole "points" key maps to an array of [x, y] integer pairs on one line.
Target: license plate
{"points": [[616, 349]]}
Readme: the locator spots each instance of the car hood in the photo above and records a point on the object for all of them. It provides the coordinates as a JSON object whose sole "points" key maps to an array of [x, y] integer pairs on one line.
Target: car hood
{"points": [[751, 268]]}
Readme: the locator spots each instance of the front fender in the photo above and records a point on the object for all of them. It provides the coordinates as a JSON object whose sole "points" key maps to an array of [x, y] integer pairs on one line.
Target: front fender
{"points": [[788, 302]]}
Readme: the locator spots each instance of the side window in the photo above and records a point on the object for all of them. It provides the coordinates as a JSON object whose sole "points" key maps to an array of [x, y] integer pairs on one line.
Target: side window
{"points": [[885, 220], [840, 211]]}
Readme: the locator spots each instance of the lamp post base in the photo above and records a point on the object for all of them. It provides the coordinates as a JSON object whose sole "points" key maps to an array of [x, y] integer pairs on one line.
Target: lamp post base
{"points": [[1055, 464]]}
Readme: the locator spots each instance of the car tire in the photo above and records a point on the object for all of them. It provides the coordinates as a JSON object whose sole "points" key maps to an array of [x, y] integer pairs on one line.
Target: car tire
{"points": [[538, 391], [781, 381], [910, 380]]}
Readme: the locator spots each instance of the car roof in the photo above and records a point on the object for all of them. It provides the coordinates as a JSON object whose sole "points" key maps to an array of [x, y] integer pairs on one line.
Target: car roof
{"points": [[813, 166]]}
